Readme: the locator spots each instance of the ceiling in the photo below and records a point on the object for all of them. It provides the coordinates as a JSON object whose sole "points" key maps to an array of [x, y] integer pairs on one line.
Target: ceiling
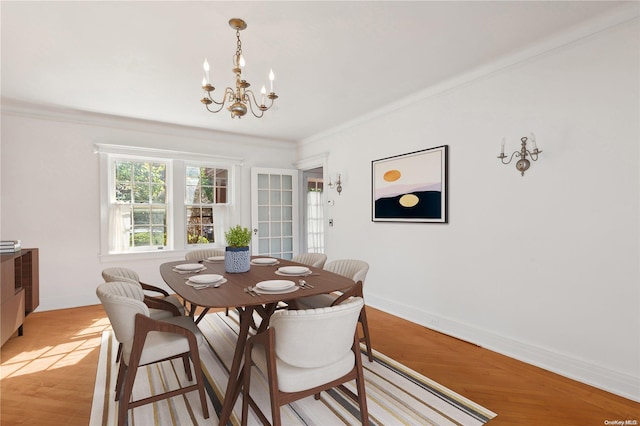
{"points": [[333, 61]]}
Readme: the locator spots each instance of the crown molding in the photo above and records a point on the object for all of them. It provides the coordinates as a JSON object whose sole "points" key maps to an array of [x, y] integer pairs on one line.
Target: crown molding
{"points": [[622, 15], [60, 114]]}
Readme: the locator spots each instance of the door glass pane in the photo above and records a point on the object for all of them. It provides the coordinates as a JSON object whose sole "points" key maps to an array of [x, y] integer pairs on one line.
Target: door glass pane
{"points": [[276, 247], [276, 229], [263, 245], [276, 213], [287, 229], [275, 182], [263, 214], [276, 198], [263, 230], [287, 198], [287, 244], [263, 197], [287, 182], [287, 213], [263, 181]]}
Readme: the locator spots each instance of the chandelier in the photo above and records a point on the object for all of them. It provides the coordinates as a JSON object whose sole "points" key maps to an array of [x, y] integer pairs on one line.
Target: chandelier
{"points": [[239, 99]]}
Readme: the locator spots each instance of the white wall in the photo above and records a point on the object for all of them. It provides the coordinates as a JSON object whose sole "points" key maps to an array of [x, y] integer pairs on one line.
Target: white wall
{"points": [[545, 267], [50, 191]]}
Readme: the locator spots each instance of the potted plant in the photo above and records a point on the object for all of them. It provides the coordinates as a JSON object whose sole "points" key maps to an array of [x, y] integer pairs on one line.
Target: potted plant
{"points": [[237, 257]]}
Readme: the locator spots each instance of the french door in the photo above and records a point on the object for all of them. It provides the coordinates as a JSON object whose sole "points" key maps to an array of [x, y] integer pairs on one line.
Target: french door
{"points": [[274, 212]]}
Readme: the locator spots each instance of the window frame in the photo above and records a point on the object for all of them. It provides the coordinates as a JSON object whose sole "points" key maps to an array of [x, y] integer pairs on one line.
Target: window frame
{"points": [[177, 162]]}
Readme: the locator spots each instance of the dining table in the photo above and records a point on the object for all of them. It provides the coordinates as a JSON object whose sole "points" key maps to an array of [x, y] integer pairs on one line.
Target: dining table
{"points": [[238, 290]]}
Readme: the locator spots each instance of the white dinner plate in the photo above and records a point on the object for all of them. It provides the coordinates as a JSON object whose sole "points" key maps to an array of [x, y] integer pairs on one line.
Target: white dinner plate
{"points": [[293, 270], [215, 258], [265, 261], [205, 278], [189, 267], [275, 285]]}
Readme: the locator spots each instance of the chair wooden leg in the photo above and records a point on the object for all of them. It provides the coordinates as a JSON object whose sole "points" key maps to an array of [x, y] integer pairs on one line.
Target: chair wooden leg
{"points": [[121, 373], [197, 370], [130, 376], [187, 366], [119, 353], [362, 394], [365, 330]]}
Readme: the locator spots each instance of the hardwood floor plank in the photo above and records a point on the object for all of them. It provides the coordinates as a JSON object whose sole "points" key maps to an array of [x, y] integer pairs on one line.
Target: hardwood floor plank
{"points": [[48, 374]]}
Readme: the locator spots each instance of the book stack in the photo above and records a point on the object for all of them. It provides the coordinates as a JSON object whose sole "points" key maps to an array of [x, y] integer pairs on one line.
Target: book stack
{"points": [[9, 246]]}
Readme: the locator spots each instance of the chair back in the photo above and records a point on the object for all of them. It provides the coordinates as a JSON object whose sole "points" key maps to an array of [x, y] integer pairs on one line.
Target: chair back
{"points": [[122, 300], [312, 338], [311, 259], [120, 274], [203, 254], [350, 268]]}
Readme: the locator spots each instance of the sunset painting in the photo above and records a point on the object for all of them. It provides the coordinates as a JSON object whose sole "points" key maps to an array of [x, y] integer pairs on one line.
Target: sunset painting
{"points": [[411, 187]]}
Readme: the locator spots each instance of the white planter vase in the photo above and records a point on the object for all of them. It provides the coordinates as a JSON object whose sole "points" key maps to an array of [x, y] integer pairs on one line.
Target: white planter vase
{"points": [[237, 259]]}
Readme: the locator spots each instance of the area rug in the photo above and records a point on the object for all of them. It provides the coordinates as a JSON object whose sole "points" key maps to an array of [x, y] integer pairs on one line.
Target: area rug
{"points": [[396, 395]]}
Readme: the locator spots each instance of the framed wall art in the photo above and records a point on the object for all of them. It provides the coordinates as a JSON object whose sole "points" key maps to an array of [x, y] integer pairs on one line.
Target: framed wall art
{"points": [[410, 187]]}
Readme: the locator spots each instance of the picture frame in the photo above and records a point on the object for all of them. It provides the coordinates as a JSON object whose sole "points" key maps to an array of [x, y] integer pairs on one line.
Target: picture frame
{"points": [[411, 187]]}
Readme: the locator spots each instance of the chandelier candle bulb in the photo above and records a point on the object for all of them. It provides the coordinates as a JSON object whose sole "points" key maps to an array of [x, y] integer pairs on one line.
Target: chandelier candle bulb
{"points": [[205, 66], [502, 146], [271, 78], [533, 142]]}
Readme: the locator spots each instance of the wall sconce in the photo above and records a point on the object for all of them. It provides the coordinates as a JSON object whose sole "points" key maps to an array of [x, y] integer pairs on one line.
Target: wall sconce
{"points": [[338, 184], [522, 164]]}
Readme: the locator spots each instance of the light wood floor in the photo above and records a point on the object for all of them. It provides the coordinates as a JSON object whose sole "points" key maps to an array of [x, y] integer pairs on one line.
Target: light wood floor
{"points": [[48, 374]]}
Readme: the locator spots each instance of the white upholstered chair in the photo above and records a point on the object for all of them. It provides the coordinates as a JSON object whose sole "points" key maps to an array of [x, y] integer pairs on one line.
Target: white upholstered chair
{"points": [[311, 259], [126, 274], [350, 268], [147, 341], [160, 307], [304, 352], [203, 254]]}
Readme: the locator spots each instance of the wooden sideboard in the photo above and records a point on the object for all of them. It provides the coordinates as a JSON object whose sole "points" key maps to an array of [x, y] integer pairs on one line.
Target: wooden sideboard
{"points": [[19, 292]]}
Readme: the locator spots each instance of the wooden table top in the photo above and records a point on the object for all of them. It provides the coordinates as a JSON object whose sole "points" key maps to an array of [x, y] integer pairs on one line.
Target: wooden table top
{"points": [[232, 292]]}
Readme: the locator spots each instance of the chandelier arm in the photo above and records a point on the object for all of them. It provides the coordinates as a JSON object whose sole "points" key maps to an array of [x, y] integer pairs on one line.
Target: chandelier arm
{"points": [[248, 97], [502, 157]]}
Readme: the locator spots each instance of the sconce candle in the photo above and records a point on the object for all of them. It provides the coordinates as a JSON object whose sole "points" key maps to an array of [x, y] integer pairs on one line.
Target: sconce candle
{"points": [[523, 163]]}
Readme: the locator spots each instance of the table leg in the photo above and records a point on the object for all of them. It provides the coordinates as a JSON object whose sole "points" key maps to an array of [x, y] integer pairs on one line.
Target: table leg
{"points": [[234, 384], [235, 379]]}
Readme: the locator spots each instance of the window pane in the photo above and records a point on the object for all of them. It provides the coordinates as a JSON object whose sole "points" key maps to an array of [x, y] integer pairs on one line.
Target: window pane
{"points": [[190, 194], [141, 172], [141, 216], [193, 174], [123, 192], [141, 193], [158, 194], [206, 195], [221, 195]]}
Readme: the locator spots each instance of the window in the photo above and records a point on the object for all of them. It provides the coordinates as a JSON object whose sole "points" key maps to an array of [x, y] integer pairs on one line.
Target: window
{"points": [[154, 200], [205, 187], [139, 204]]}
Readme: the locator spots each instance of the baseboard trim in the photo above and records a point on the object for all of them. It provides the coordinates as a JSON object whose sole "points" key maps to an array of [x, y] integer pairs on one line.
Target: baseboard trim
{"points": [[594, 375]]}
